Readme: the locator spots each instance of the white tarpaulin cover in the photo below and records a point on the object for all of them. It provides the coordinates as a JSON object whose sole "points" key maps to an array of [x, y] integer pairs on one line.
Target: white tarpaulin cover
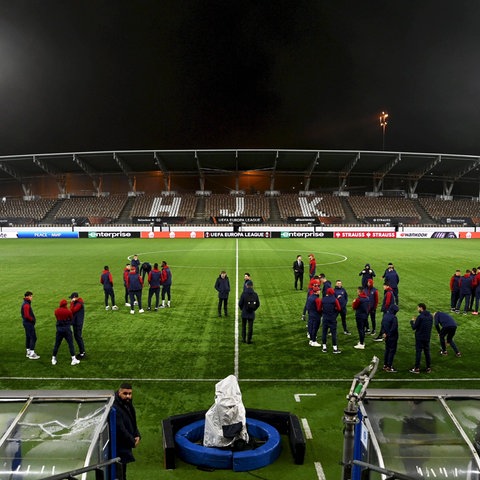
{"points": [[225, 421]]}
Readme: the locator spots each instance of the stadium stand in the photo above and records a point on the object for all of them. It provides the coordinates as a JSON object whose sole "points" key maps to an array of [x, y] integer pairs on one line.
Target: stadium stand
{"points": [[364, 206], [438, 209], [165, 206], [92, 207], [293, 205], [221, 205], [26, 209]]}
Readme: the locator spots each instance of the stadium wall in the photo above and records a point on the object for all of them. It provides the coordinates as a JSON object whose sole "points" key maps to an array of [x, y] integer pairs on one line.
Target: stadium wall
{"points": [[214, 231]]}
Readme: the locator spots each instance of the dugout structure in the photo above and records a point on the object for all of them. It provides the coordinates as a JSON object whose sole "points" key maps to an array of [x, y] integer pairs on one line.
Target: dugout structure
{"points": [[410, 434], [46, 433]]}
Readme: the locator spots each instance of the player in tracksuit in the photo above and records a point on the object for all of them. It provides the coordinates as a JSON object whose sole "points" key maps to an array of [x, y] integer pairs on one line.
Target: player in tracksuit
{"points": [[314, 316], [64, 318], [166, 282], [465, 292], [329, 308], [455, 289], [390, 335], [312, 266], [154, 289], [387, 302], [29, 320], [135, 286], [342, 296], [391, 277], [361, 305], [78, 310], [314, 281], [372, 294], [107, 281], [446, 327], [126, 271], [422, 325]]}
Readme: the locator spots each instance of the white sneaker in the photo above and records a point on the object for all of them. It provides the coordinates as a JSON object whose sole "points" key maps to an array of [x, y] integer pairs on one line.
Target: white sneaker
{"points": [[54, 360], [114, 307], [127, 305], [135, 302], [74, 361], [107, 308], [141, 310], [132, 311], [33, 356], [360, 346], [28, 353], [168, 304], [315, 344]]}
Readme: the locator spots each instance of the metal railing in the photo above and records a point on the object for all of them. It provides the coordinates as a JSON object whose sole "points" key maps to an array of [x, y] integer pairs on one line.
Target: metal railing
{"points": [[98, 468]]}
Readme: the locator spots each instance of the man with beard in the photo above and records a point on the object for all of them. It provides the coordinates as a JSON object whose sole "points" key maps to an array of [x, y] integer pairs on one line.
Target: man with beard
{"points": [[128, 436]]}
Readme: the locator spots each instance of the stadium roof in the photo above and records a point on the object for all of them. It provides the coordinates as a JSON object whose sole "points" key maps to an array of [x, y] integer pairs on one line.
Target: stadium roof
{"points": [[343, 164]]}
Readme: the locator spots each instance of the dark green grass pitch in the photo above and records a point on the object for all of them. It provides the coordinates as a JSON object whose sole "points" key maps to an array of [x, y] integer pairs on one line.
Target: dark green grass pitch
{"points": [[175, 356]]}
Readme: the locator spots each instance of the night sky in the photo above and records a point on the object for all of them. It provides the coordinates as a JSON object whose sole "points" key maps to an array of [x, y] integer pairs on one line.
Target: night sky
{"points": [[78, 75]]}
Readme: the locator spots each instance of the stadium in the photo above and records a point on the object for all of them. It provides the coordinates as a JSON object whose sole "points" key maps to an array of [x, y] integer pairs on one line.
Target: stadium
{"points": [[65, 216]]}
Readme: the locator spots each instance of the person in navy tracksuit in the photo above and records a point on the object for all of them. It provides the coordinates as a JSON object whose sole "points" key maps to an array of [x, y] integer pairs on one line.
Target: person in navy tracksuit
{"points": [[312, 266], [455, 289], [166, 283], [329, 308], [361, 305], [313, 306], [29, 320], [367, 273], [391, 277], [465, 292], [107, 281], [422, 325], [342, 296], [390, 335], [135, 286], [446, 327], [154, 278], [78, 310], [372, 294], [222, 286], [248, 311]]}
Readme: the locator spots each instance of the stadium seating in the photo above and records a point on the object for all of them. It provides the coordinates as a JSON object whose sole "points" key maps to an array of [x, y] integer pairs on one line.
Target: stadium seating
{"points": [[221, 205], [364, 206], [151, 206], [102, 207], [26, 209], [438, 209], [290, 206]]}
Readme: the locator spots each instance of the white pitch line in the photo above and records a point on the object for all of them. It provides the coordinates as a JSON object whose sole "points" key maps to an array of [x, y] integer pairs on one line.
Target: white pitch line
{"points": [[237, 353], [253, 380], [298, 395], [306, 429], [320, 472]]}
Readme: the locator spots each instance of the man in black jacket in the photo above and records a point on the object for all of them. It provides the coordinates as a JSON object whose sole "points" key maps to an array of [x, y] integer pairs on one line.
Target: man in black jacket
{"points": [[298, 269], [248, 304], [128, 436]]}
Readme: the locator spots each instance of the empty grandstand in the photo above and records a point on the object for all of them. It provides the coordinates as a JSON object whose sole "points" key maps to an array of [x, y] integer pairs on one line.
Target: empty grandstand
{"points": [[190, 186]]}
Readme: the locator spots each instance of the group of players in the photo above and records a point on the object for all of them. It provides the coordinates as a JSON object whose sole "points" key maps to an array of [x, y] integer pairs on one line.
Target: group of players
{"points": [[134, 275], [67, 316], [326, 302]]}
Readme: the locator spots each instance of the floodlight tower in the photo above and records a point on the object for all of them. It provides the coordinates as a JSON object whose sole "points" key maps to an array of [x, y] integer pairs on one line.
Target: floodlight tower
{"points": [[383, 124]]}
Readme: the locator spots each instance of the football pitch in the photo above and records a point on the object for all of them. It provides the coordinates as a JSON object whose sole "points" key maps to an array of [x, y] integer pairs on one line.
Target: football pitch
{"points": [[175, 356]]}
